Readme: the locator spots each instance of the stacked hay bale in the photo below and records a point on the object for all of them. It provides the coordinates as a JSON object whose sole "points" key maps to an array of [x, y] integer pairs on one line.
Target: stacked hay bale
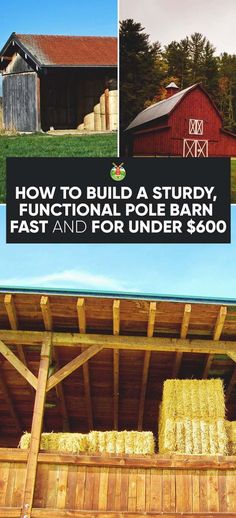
{"points": [[122, 442], [113, 109], [97, 117], [192, 417], [103, 112], [89, 122], [137, 443], [70, 442], [231, 433]]}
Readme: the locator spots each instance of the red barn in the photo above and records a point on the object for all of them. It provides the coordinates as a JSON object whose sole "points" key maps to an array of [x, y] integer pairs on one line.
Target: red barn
{"points": [[187, 123]]}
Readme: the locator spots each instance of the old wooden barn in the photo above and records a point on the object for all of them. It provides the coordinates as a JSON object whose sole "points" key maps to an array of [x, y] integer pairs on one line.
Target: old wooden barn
{"points": [[81, 361], [55, 81], [187, 123]]}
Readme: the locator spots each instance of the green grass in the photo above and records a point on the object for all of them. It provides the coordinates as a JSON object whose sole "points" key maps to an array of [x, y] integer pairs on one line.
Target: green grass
{"points": [[39, 145]]}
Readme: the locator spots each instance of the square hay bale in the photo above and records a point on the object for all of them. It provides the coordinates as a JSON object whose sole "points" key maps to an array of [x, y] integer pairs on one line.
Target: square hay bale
{"points": [[192, 418], [63, 442], [125, 442], [231, 433]]}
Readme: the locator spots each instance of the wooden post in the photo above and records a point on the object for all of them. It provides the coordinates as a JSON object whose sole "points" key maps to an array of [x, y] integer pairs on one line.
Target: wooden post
{"points": [[36, 428], [38, 103]]}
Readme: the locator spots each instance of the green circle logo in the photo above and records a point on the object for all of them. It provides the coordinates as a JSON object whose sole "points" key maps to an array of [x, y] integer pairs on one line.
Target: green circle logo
{"points": [[118, 172]]}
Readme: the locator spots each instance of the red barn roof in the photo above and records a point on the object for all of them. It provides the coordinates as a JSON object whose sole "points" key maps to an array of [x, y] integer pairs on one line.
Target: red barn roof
{"points": [[51, 50], [164, 107]]}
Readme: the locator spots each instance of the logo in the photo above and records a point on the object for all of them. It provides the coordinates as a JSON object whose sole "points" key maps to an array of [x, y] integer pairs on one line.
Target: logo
{"points": [[118, 172]]}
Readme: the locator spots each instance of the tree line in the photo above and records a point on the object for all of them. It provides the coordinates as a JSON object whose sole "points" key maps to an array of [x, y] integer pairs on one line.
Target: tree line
{"points": [[146, 68]]}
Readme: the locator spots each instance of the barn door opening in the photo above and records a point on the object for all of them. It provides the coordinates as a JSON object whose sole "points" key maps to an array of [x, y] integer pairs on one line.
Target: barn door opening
{"points": [[195, 148]]}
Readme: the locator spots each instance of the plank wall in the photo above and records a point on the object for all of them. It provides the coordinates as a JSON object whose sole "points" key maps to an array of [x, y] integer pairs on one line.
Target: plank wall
{"points": [[69, 485]]}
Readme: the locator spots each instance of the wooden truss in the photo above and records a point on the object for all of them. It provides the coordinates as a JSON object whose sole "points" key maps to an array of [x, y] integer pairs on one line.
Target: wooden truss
{"points": [[88, 346]]}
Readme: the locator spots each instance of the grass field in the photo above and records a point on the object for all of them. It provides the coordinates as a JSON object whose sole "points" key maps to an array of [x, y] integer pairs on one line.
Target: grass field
{"points": [[51, 146]]}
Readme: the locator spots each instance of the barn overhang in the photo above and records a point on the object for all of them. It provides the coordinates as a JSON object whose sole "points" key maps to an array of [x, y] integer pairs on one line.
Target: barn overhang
{"points": [[13, 46], [38, 53], [184, 335]]}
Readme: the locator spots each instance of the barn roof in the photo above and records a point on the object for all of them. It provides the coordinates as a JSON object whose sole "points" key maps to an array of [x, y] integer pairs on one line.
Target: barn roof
{"points": [[163, 108], [160, 109], [52, 50], [202, 330]]}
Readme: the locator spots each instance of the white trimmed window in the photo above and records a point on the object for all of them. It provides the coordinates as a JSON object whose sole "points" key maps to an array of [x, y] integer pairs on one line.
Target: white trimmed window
{"points": [[195, 127]]}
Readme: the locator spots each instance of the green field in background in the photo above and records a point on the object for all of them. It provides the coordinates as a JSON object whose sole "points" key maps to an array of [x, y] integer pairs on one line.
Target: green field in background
{"points": [[67, 146], [38, 145]]}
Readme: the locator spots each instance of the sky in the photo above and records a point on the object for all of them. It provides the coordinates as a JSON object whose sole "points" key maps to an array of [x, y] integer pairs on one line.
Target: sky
{"points": [[168, 20], [74, 17], [191, 270]]}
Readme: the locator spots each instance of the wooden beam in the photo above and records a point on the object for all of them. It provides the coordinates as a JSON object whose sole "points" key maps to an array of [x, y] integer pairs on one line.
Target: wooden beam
{"points": [[81, 315], [48, 324], [116, 365], [220, 323], [232, 356], [146, 364], [116, 317], [216, 336], [19, 366], [73, 365], [11, 311], [36, 429], [82, 328], [151, 319], [134, 343], [8, 401], [13, 321], [116, 370], [183, 335], [46, 312]]}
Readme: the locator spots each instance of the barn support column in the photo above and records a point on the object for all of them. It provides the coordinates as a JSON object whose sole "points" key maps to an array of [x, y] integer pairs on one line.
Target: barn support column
{"points": [[36, 427], [38, 105]]}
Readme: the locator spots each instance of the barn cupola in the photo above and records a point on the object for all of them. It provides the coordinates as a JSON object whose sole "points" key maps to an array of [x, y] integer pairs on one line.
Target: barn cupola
{"points": [[171, 89]]}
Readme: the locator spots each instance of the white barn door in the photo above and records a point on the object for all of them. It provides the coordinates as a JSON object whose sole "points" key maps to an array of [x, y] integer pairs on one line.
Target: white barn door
{"points": [[195, 148]]}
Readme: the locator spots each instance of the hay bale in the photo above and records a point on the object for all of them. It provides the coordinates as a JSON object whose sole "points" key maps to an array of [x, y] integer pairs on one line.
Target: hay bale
{"points": [[89, 122], [69, 442], [139, 443], [192, 418], [231, 433], [130, 443]]}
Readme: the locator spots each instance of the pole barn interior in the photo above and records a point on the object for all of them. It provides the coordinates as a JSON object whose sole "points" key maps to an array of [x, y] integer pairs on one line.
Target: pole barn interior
{"points": [[81, 361]]}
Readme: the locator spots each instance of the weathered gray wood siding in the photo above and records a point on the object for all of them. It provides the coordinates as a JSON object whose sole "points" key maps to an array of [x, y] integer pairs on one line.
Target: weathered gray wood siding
{"points": [[17, 65], [20, 102]]}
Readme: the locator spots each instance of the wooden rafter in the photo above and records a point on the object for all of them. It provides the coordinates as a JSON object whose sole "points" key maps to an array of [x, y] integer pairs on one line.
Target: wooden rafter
{"points": [[48, 323], [13, 321], [183, 335], [8, 400], [46, 312], [146, 364], [116, 365], [73, 365], [81, 315], [19, 366], [37, 423], [216, 336], [81, 310], [134, 343]]}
